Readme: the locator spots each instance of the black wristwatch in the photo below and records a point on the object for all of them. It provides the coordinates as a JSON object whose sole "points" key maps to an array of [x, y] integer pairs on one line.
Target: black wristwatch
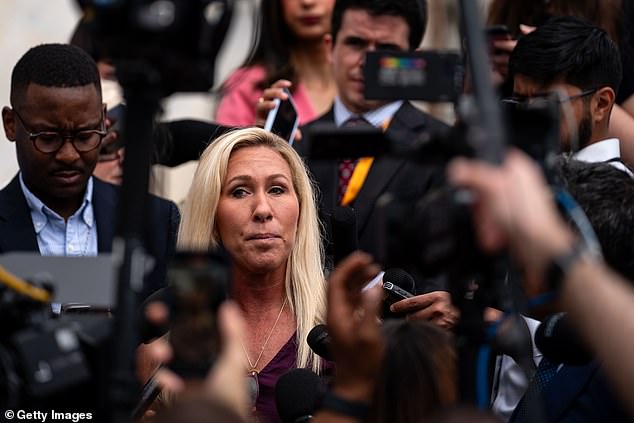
{"points": [[561, 264]]}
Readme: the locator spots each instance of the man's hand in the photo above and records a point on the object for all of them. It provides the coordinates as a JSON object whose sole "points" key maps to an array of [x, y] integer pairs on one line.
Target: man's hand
{"points": [[434, 307], [353, 324], [514, 207]]}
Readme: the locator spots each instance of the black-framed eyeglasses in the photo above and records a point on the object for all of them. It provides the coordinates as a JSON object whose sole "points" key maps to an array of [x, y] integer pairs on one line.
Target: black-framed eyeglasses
{"points": [[539, 100], [49, 142]]}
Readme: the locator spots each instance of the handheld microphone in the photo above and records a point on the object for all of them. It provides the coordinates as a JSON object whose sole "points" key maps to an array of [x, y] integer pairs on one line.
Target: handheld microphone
{"points": [[559, 342], [345, 240], [320, 342], [296, 395], [513, 338]]}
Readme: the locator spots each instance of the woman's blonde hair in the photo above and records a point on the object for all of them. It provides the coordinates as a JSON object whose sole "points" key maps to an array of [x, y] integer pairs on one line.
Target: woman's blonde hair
{"points": [[305, 286]]}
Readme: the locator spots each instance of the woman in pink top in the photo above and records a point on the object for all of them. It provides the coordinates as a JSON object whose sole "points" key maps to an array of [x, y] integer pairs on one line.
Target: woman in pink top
{"points": [[291, 47]]}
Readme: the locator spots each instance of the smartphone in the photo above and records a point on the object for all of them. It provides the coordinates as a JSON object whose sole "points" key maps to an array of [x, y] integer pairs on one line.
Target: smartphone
{"points": [[394, 294], [117, 116], [283, 119], [201, 284], [497, 33]]}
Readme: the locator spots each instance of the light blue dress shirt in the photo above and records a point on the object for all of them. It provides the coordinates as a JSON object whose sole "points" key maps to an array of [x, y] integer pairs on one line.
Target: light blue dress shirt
{"points": [[376, 117], [56, 237]]}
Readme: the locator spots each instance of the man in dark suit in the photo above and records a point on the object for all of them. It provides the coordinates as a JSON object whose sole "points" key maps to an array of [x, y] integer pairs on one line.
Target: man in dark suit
{"points": [[581, 393], [359, 26], [54, 205]]}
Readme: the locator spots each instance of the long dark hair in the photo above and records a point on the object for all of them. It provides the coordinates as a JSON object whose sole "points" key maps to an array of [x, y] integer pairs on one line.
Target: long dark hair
{"points": [[418, 375], [272, 49]]}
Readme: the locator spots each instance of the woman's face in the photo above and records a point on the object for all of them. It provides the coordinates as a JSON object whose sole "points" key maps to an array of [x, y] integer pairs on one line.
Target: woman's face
{"points": [[308, 19], [258, 210]]}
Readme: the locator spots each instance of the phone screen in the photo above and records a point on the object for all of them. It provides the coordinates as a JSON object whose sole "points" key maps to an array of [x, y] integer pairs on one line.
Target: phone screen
{"points": [[283, 119], [201, 284]]}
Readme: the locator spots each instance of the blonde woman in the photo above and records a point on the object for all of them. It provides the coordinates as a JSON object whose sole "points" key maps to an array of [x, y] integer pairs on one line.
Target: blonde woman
{"points": [[252, 195]]}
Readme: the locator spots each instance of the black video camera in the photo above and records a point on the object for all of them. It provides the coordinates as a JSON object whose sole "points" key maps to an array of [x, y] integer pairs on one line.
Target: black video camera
{"points": [[52, 361], [178, 38]]}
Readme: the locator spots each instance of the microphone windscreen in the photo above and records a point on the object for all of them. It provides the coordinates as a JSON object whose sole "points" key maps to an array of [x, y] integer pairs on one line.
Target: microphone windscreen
{"points": [[560, 343], [296, 394], [400, 278], [343, 225], [319, 341]]}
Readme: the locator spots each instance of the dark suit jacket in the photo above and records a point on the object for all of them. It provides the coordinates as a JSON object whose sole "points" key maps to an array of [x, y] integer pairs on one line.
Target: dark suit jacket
{"points": [[17, 232], [402, 178], [581, 394]]}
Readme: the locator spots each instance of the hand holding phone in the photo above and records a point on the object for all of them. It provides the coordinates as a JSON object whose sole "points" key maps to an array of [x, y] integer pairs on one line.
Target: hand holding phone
{"points": [[283, 119]]}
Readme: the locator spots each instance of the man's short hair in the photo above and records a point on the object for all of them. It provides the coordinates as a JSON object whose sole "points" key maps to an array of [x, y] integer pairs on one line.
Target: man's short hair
{"points": [[413, 11], [53, 65], [571, 50], [606, 195]]}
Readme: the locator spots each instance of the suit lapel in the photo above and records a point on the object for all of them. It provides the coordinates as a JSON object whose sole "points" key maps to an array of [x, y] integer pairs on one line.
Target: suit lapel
{"points": [[16, 227], [566, 387], [405, 125], [105, 209]]}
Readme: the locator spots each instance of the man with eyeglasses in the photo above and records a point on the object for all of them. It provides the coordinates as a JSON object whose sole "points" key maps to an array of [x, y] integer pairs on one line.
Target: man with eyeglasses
{"points": [[581, 66], [54, 205]]}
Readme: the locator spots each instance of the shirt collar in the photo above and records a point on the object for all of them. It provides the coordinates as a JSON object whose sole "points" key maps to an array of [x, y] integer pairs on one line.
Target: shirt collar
{"points": [[40, 211], [376, 117], [601, 151]]}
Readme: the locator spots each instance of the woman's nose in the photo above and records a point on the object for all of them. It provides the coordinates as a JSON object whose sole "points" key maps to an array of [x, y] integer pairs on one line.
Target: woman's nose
{"points": [[263, 210]]}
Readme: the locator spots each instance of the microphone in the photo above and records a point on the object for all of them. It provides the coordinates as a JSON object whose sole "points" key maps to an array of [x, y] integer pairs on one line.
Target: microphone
{"points": [[559, 342], [397, 285], [513, 338], [343, 224], [319, 341], [296, 394]]}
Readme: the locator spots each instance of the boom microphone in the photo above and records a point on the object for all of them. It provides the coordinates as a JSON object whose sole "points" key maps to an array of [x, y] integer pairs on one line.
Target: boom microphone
{"points": [[559, 342], [296, 395], [319, 341]]}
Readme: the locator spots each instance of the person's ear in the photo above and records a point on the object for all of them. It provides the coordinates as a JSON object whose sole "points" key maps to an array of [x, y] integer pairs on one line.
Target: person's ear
{"points": [[328, 43], [602, 102], [8, 120]]}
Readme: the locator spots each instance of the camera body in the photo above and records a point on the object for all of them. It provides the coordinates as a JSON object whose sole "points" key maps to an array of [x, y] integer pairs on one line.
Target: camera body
{"points": [[178, 38]]}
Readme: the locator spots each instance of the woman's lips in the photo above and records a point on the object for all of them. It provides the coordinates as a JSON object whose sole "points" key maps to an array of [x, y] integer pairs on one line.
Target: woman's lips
{"points": [[311, 20]]}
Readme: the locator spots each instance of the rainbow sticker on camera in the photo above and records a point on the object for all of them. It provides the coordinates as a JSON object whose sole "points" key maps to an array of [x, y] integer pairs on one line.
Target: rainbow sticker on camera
{"points": [[427, 76]]}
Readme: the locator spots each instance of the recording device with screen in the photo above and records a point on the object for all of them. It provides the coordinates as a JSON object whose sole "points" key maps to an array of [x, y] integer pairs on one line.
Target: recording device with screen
{"points": [[428, 76], [201, 283], [283, 119], [394, 294]]}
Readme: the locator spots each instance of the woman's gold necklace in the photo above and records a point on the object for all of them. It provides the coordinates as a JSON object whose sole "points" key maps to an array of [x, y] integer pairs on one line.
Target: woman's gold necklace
{"points": [[253, 366]]}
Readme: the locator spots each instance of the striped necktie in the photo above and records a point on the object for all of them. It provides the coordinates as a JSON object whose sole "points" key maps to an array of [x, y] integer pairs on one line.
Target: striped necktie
{"points": [[346, 166]]}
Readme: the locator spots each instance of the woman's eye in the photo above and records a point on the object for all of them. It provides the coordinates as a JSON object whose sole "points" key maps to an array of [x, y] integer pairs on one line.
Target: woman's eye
{"points": [[277, 190], [239, 192]]}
